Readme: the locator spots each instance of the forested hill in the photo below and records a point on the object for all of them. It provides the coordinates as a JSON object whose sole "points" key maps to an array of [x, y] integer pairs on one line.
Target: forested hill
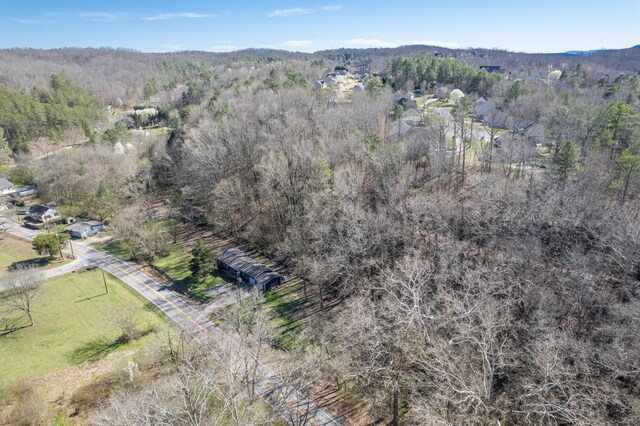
{"points": [[111, 73], [468, 242], [48, 111], [623, 60]]}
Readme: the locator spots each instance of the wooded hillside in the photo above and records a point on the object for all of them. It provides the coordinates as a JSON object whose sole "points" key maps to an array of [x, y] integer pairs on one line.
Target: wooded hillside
{"points": [[475, 262]]}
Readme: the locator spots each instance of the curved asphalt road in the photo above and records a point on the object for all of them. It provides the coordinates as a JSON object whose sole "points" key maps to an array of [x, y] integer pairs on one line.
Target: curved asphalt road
{"points": [[290, 403]]}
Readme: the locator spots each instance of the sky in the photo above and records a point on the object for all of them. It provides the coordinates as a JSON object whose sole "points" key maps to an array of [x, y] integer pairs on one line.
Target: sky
{"points": [[311, 25]]}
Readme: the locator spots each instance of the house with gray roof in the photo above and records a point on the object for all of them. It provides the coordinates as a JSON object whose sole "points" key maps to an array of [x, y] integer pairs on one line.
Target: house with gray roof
{"points": [[42, 213], [412, 117], [84, 229], [238, 265], [400, 128]]}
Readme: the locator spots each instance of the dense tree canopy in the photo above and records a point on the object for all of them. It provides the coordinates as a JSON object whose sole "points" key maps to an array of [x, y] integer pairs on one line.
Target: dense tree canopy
{"points": [[48, 111], [429, 71], [479, 270]]}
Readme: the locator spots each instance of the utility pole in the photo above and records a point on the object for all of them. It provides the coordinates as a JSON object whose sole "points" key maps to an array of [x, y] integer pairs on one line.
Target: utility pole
{"points": [[106, 289], [73, 256]]}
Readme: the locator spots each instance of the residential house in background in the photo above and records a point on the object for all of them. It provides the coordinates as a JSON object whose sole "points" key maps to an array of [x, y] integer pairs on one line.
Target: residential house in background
{"points": [[320, 84], [442, 92], [42, 213], [534, 134], [482, 108], [358, 88], [26, 190], [412, 117], [399, 128], [84, 229], [330, 79], [492, 68], [238, 265], [402, 97]]}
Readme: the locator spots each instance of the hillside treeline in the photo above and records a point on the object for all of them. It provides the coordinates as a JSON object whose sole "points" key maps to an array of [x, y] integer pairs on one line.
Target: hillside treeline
{"points": [[427, 72], [47, 111], [499, 296], [469, 283]]}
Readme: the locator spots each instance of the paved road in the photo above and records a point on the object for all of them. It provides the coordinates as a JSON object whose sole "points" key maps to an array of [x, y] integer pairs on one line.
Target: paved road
{"points": [[284, 398]]}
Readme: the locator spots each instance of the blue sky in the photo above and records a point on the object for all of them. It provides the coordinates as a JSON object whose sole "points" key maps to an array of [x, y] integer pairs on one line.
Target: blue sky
{"points": [[309, 25]]}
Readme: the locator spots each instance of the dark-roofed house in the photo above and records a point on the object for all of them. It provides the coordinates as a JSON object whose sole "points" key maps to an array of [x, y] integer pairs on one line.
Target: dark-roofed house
{"points": [[400, 127], [402, 97], [84, 229], [492, 68], [237, 264], [6, 187], [42, 213]]}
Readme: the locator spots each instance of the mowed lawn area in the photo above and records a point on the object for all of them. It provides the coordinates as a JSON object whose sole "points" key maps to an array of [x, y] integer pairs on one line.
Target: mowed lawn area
{"points": [[14, 251], [176, 267], [70, 313]]}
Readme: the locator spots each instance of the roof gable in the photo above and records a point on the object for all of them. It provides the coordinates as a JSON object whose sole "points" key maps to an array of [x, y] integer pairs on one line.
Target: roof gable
{"points": [[39, 209], [240, 261]]}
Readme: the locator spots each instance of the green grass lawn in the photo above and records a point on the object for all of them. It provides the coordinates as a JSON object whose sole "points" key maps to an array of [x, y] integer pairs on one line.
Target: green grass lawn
{"points": [[284, 303], [15, 251], [441, 103], [113, 248], [176, 267], [71, 313], [158, 131]]}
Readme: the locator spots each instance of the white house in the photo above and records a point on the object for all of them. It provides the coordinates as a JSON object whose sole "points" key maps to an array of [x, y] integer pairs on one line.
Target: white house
{"points": [[42, 213], [84, 229]]}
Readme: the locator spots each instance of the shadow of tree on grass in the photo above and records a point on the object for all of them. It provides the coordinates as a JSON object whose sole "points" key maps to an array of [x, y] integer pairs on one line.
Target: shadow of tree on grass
{"points": [[36, 262], [96, 349]]}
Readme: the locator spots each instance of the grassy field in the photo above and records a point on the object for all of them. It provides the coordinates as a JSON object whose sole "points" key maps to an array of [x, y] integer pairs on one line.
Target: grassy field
{"points": [[290, 312], [176, 267], [14, 251], [72, 314], [113, 248]]}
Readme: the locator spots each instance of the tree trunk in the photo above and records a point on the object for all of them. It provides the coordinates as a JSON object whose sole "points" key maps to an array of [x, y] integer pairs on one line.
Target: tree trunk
{"points": [[396, 417]]}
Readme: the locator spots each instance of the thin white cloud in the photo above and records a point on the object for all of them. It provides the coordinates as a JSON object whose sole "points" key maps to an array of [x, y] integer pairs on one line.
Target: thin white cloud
{"points": [[281, 13], [296, 45], [118, 16], [181, 15], [92, 16], [103, 17], [33, 21], [285, 13]]}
